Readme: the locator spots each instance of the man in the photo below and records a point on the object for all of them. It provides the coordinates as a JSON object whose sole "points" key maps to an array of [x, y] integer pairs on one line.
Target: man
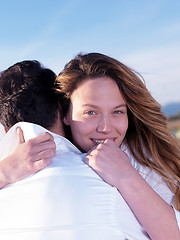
{"points": [[67, 199], [26, 95]]}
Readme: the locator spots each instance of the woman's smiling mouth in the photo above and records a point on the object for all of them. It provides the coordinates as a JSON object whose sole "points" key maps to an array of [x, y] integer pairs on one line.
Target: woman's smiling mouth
{"points": [[99, 141]]}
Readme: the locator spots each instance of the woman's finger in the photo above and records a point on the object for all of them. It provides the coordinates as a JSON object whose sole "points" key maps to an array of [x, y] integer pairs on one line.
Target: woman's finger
{"points": [[44, 154], [38, 165], [48, 145], [20, 135], [44, 137]]}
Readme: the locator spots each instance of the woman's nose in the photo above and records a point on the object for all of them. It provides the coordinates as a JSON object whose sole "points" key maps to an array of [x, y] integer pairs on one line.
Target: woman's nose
{"points": [[104, 125]]}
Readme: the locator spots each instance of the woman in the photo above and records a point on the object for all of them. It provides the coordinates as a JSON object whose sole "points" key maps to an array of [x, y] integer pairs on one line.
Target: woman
{"points": [[109, 108]]}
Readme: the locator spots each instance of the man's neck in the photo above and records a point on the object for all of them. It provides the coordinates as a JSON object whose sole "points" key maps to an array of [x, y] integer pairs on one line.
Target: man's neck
{"points": [[58, 131]]}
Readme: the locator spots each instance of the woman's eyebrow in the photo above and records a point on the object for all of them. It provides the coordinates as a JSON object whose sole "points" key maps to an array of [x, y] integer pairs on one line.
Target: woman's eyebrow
{"points": [[121, 105], [89, 105], [95, 106]]}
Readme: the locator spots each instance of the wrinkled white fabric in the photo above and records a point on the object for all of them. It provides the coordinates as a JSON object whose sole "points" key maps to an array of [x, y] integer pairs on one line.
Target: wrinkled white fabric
{"points": [[2, 132], [68, 200]]}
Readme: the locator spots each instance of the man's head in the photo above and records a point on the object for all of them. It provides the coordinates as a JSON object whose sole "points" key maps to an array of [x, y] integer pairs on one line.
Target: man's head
{"points": [[26, 94]]}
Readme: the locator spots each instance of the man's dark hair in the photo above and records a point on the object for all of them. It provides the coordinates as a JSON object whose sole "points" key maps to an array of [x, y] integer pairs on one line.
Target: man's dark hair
{"points": [[26, 94]]}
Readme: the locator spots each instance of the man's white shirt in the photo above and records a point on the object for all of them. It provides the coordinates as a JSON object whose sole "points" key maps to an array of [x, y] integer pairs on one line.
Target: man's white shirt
{"points": [[68, 200], [2, 132]]}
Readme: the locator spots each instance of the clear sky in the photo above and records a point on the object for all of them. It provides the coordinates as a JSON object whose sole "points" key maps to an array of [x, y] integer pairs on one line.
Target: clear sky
{"points": [[144, 34]]}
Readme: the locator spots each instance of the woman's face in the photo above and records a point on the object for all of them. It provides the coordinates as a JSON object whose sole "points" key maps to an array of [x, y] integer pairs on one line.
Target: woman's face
{"points": [[97, 112]]}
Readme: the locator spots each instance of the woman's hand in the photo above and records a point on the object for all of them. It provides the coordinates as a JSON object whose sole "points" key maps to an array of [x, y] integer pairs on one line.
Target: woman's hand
{"points": [[109, 162], [28, 158]]}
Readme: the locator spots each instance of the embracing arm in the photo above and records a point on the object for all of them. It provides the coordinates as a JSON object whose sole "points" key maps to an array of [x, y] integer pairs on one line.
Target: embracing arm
{"points": [[155, 215], [28, 158]]}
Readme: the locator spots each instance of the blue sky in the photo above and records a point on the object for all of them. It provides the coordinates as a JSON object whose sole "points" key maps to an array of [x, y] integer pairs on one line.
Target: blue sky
{"points": [[144, 34]]}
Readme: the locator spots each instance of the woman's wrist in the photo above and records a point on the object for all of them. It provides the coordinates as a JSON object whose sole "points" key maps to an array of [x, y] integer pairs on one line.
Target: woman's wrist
{"points": [[4, 176], [127, 178]]}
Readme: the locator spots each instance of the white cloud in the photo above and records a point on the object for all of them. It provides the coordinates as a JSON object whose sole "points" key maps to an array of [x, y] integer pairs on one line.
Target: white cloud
{"points": [[11, 55], [161, 71]]}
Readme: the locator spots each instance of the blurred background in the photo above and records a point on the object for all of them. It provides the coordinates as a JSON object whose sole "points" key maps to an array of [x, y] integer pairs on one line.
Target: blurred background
{"points": [[145, 35]]}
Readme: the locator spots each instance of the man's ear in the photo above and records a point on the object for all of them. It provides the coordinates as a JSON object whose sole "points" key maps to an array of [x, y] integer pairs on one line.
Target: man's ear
{"points": [[66, 120]]}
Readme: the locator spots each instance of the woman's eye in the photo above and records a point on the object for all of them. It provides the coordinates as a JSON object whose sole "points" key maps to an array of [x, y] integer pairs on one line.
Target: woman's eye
{"points": [[90, 112], [117, 112]]}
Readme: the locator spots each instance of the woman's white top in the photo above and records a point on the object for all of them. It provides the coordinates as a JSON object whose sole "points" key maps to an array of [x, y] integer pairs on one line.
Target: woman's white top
{"points": [[68, 200]]}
